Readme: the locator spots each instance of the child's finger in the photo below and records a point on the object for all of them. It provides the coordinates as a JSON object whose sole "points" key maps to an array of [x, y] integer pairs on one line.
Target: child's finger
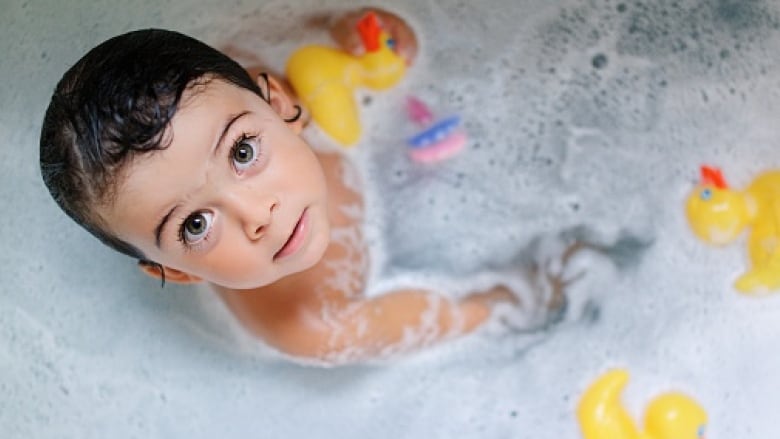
{"points": [[344, 32], [405, 39]]}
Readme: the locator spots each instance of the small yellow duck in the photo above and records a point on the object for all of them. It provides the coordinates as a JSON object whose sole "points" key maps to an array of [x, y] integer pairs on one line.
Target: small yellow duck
{"points": [[325, 78], [718, 215], [669, 416]]}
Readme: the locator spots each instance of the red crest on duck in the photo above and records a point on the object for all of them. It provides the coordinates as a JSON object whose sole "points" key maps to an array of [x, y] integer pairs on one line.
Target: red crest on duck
{"points": [[712, 176]]}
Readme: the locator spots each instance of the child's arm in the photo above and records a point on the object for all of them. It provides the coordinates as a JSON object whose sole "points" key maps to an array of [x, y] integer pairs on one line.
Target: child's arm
{"points": [[354, 330]]}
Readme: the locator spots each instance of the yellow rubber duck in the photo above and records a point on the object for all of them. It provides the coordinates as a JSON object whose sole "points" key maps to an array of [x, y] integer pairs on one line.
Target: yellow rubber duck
{"points": [[669, 416], [325, 78], [718, 215]]}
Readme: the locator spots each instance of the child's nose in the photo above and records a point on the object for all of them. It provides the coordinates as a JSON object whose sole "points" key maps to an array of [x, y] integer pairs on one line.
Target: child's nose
{"points": [[258, 217]]}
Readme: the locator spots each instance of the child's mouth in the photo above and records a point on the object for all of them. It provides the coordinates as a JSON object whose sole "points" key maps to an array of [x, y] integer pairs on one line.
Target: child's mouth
{"points": [[295, 241]]}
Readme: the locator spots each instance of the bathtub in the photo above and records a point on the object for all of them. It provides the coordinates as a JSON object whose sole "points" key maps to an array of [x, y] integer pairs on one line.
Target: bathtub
{"points": [[589, 114]]}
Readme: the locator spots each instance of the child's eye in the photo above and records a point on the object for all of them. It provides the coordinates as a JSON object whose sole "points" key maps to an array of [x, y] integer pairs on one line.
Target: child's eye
{"points": [[196, 227], [245, 152]]}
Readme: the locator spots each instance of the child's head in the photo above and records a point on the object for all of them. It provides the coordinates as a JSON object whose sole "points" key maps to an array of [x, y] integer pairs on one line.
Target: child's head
{"points": [[168, 151]]}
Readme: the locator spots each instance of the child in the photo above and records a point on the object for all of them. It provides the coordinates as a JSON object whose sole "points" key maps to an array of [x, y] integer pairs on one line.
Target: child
{"points": [[169, 152]]}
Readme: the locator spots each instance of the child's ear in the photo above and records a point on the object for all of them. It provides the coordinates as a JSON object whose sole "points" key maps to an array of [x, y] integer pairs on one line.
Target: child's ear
{"points": [[282, 100], [171, 274]]}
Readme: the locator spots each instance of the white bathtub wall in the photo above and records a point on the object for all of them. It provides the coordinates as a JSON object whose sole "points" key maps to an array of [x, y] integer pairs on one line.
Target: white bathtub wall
{"points": [[594, 113]]}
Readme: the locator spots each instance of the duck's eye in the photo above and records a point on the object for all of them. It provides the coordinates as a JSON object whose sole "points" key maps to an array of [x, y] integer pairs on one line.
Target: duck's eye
{"points": [[390, 43], [701, 431], [706, 194]]}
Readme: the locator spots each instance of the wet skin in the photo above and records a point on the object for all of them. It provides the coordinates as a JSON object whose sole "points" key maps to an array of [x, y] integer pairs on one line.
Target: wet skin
{"points": [[240, 201]]}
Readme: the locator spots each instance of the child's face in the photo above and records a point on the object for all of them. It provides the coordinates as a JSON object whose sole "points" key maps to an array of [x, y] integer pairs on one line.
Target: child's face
{"points": [[237, 199]]}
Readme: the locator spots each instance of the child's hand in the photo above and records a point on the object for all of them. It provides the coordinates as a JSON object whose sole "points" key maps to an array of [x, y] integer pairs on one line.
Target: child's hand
{"points": [[495, 295], [344, 32]]}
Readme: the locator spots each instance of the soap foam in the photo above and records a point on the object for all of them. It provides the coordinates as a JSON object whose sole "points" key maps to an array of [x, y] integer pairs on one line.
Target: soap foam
{"points": [[584, 116]]}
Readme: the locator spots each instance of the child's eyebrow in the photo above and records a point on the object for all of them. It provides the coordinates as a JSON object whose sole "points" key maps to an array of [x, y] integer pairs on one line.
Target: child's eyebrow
{"points": [[228, 124], [158, 230]]}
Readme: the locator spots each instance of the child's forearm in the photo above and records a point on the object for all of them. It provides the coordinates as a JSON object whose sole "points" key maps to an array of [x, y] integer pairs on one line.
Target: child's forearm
{"points": [[395, 322], [408, 319]]}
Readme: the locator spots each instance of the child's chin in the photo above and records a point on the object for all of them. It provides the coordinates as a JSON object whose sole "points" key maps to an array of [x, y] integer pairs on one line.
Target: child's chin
{"points": [[309, 257], [307, 260], [248, 283], [312, 254]]}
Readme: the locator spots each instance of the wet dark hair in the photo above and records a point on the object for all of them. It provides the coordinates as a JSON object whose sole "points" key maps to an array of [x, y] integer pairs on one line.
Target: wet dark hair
{"points": [[116, 103]]}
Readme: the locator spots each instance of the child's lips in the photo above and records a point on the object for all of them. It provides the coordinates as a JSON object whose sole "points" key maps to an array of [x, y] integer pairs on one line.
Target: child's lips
{"points": [[296, 239]]}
